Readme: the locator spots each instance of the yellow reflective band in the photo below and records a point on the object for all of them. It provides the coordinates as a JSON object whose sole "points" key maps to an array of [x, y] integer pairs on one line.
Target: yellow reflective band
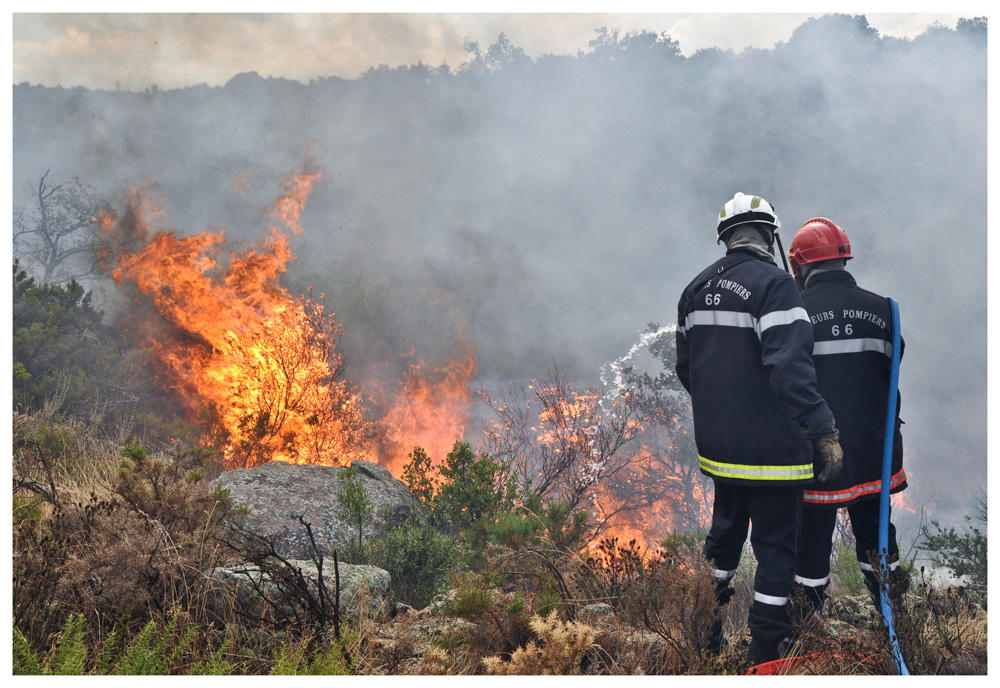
{"points": [[755, 202], [748, 472]]}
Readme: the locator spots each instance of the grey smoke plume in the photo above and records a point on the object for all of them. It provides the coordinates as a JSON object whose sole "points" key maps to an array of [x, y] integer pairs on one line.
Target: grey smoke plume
{"points": [[549, 207]]}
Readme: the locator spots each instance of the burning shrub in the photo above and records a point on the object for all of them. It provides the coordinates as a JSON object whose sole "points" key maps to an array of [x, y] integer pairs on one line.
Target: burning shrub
{"points": [[566, 448], [223, 332], [669, 592], [664, 472]]}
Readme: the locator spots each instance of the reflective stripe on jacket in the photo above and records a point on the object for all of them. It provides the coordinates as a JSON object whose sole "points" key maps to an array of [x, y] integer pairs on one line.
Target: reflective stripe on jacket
{"points": [[744, 345]]}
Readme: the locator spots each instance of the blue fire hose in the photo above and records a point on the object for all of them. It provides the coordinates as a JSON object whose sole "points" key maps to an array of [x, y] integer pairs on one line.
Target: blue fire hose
{"points": [[883, 516]]}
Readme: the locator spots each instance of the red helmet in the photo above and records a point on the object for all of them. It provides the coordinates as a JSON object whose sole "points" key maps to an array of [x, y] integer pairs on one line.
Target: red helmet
{"points": [[818, 239]]}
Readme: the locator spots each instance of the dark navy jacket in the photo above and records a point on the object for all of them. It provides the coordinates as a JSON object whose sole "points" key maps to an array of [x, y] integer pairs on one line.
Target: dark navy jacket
{"points": [[744, 352], [852, 329]]}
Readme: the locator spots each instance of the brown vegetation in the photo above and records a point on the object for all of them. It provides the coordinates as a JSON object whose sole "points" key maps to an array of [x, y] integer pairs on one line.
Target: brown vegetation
{"points": [[117, 541]]}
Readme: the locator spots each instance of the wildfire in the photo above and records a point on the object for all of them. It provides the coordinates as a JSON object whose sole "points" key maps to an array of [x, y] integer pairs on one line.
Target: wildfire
{"points": [[226, 336], [674, 499], [428, 409], [570, 422]]}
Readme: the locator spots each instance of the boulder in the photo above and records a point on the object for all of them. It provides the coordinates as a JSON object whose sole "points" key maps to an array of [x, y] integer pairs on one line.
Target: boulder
{"points": [[277, 493], [363, 589]]}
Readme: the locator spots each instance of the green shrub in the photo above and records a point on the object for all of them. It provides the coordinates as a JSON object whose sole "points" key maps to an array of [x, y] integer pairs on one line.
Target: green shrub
{"points": [[354, 504], [964, 553], [419, 558], [473, 488], [67, 358], [526, 525], [846, 572], [474, 595], [418, 474]]}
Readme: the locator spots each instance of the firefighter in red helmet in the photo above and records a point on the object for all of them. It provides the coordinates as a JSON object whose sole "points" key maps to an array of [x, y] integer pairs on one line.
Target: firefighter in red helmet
{"points": [[852, 355], [744, 352]]}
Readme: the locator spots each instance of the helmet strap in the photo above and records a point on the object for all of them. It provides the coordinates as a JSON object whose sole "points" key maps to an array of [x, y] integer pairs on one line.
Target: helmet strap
{"points": [[781, 250]]}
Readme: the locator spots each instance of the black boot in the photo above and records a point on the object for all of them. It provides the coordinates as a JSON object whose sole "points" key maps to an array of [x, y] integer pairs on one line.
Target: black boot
{"points": [[761, 652], [716, 638]]}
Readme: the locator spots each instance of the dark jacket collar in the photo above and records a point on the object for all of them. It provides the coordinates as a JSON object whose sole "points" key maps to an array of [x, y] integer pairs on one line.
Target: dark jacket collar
{"points": [[831, 277]]}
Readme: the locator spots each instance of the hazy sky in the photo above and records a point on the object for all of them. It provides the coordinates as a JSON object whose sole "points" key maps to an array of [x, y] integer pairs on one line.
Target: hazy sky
{"points": [[110, 49], [477, 202]]}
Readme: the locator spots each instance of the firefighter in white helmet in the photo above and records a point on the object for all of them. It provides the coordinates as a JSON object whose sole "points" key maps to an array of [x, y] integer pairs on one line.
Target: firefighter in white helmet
{"points": [[744, 352], [852, 355]]}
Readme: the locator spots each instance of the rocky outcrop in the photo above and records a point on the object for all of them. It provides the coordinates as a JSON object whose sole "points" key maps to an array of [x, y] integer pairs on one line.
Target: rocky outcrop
{"points": [[277, 493], [364, 590]]}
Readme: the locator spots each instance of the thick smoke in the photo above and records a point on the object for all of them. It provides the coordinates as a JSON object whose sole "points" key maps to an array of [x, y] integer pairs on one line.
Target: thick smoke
{"points": [[546, 208]]}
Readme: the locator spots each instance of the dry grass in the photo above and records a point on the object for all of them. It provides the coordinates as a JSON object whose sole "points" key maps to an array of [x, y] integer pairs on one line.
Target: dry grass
{"points": [[110, 541]]}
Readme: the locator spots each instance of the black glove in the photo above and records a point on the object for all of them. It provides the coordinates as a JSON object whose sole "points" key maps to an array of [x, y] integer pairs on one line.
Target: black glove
{"points": [[827, 444]]}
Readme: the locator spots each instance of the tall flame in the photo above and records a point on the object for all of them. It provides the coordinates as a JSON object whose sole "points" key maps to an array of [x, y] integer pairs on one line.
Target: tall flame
{"points": [[226, 337], [230, 336], [428, 409]]}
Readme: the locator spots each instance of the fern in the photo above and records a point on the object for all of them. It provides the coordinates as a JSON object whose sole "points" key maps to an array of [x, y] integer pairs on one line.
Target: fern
{"points": [[26, 662], [70, 655], [111, 651], [287, 660], [291, 660], [140, 658], [216, 664], [67, 658], [179, 646], [148, 654]]}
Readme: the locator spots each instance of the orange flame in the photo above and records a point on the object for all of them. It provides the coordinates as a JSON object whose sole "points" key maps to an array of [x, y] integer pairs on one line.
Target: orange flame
{"points": [[570, 421], [430, 409], [230, 335], [676, 500]]}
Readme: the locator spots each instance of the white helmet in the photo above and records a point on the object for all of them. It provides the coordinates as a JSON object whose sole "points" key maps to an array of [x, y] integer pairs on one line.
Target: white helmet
{"points": [[744, 209]]}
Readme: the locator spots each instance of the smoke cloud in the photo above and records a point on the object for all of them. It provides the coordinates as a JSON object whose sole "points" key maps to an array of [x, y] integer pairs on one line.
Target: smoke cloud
{"points": [[546, 208]]}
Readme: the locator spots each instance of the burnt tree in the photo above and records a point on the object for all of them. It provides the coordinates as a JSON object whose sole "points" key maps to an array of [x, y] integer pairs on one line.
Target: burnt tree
{"points": [[60, 235]]}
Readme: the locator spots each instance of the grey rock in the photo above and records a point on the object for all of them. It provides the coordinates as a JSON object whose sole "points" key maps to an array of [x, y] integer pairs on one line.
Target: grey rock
{"points": [[595, 611], [363, 589], [439, 601], [278, 493]]}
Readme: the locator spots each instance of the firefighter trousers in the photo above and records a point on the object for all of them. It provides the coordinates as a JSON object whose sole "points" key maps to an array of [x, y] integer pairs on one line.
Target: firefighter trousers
{"points": [[816, 545], [771, 516]]}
